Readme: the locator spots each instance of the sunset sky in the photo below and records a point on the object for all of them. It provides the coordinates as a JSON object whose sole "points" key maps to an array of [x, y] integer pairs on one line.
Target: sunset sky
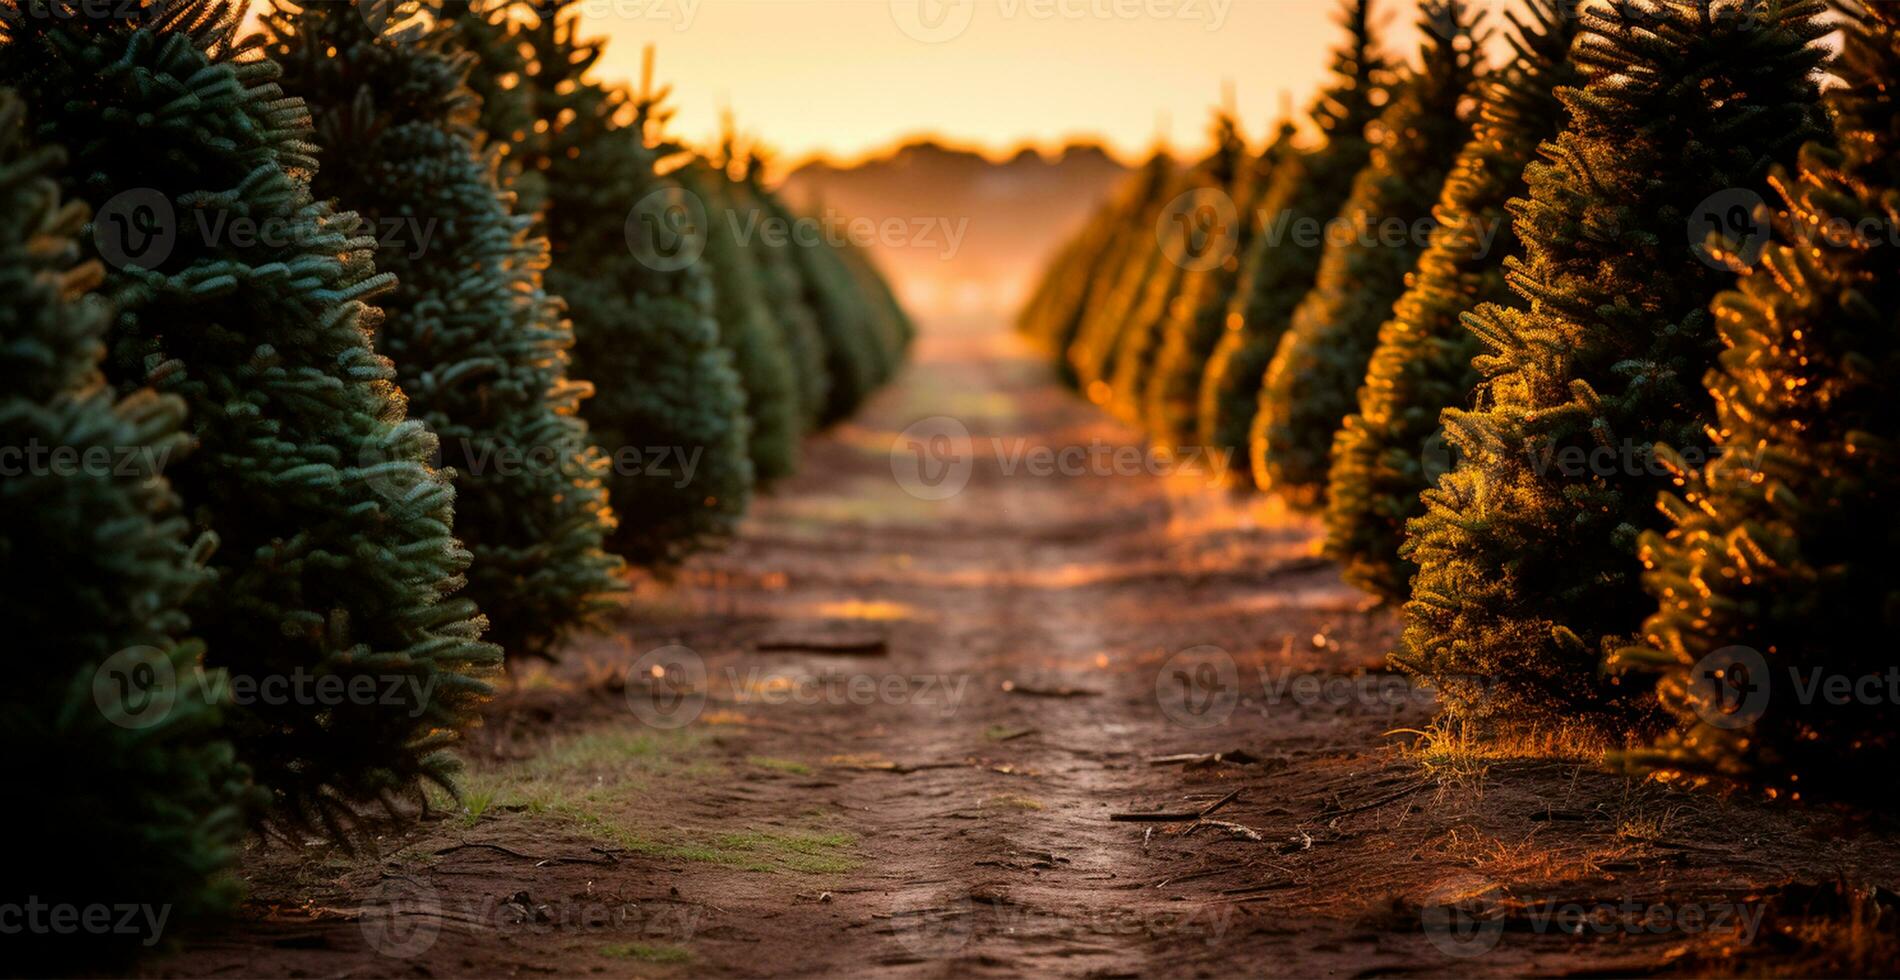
{"points": [[843, 77]]}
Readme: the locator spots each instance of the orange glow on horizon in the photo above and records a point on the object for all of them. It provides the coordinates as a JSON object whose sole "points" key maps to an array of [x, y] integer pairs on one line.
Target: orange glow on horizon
{"points": [[849, 80]]}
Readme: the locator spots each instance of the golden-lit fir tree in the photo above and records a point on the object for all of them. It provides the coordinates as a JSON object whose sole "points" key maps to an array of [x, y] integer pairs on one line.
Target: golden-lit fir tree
{"points": [[1774, 554], [1527, 550], [1311, 381]]}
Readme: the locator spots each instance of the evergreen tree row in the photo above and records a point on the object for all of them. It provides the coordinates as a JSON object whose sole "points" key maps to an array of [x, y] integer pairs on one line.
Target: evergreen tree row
{"points": [[1616, 494], [346, 358]]}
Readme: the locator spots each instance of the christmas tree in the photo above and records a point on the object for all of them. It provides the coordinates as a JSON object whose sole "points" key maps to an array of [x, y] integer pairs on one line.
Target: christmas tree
{"points": [[1392, 449], [1527, 549], [784, 294], [1321, 360], [1278, 269], [747, 327], [856, 360], [479, 346], [668, 408], [1118, 281], [241, 295], [1772, 554], [894, 328], [134, 796], [1195, 326], [1198, 216]]}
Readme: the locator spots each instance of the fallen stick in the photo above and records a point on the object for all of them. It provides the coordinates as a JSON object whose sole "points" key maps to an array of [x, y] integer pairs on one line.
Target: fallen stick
{"points": [[1375, 804], [1217, 804], [1155, 817], [860, 647], [1176, 816], [1238, 830], [1011, 687]]}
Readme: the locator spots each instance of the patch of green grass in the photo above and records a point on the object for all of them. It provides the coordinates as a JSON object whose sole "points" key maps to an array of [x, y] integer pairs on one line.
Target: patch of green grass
{"points": [[592, 767], [772, 852], [595, 782], [648, 952]]}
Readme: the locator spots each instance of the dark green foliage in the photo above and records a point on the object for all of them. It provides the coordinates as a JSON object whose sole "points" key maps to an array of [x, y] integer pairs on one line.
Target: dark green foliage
{"points": [[1058, 297], [1138, 263], [1118, 279], [479, 347], [747, 327], [1392, 449], [1198, 214], [1527, 550], [1172, 393], [1321, 360], [668, 407], [1780, 543], [784, 293], [893, 326], [94, 560], [336, 557], [856, 356], [1279, 268]]}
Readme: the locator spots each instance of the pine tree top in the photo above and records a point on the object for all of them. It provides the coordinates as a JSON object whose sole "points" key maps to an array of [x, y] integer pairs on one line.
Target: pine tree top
{"points": [[1358, 71]]}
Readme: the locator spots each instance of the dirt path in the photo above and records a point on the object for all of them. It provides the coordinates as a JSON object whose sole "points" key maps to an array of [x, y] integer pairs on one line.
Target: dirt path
{"points": [[1012, 665]]}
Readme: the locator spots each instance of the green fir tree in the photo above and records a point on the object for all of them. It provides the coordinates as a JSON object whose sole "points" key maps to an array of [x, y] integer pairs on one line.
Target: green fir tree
{"points": [[1279, 268], [747, 327], [856, 360], [1392, 449], [126, 791], [1528, 549], [1141, 269], [241, 295], [784, 294], [480, 347], [1774, 551], [1200, 316], [1188, 235], [626, 240], [1121, 270], [1321, 360]]}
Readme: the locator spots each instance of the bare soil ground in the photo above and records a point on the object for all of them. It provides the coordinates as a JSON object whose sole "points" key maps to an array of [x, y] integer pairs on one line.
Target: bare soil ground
{"points": [[893, 735]]}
